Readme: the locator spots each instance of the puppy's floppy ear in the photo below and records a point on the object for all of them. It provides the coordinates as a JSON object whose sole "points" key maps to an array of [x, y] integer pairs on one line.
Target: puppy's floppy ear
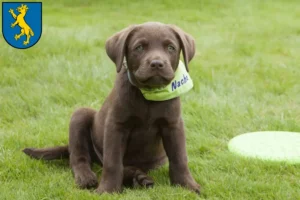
{"points": [[115, 46], [187, 43]]}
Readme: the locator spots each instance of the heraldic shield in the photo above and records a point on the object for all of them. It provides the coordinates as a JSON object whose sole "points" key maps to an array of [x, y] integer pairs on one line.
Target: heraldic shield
{"points": [[22, 23]]}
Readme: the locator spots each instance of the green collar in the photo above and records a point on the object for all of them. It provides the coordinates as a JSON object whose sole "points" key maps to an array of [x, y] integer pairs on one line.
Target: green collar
{"points": [[180, 84]]}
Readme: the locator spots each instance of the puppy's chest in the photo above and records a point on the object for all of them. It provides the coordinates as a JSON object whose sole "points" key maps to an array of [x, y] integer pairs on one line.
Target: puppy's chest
{"points": [[146, 129], [146, 119], [150, 116]]}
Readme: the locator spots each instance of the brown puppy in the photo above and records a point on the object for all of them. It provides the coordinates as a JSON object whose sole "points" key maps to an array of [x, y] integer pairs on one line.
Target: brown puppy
{"points": [[131, 135]]}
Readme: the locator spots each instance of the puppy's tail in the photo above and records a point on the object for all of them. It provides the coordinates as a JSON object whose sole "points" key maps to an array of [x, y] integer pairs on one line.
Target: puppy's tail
{"points": [[51, 153]]}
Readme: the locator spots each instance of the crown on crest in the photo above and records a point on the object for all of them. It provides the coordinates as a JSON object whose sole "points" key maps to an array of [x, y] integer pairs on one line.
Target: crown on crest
{"points": [[23, 7]]}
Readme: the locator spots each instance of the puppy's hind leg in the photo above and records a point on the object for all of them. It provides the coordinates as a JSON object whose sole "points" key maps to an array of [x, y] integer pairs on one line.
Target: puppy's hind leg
{"points": [[81, 148], [134, 176]]}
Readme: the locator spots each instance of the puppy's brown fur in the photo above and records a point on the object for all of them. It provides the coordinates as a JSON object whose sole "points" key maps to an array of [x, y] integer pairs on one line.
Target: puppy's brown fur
{"points": [[131, 135]]}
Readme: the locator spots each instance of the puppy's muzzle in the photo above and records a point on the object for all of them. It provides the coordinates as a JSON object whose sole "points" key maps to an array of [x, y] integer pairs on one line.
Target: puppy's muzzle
{"points": [[157, 64]]}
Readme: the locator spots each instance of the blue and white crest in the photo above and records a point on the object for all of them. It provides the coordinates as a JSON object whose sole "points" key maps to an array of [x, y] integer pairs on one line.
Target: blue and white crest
{"points": [[22, 23]]}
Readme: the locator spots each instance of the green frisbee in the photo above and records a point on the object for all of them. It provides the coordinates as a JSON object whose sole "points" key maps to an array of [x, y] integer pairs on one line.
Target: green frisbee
{"points": [[277, 146]]}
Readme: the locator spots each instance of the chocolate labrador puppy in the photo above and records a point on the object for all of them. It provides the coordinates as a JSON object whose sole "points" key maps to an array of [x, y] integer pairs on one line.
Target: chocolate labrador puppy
{"points": [[130, 135]]}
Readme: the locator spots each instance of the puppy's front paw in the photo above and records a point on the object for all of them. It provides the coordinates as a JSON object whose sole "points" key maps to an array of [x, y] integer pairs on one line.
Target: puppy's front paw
{"points": [[194, 187], [105, 188], [187, 182], [86, 180]]}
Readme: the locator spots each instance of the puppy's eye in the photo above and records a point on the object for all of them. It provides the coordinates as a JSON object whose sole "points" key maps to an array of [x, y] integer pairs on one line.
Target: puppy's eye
{"points": [[171, 48], [139, 48]]}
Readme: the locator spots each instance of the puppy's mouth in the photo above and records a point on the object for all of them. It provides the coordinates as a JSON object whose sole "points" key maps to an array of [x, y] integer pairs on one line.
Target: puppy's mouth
{"points": [[153, 77], [154, 81]]}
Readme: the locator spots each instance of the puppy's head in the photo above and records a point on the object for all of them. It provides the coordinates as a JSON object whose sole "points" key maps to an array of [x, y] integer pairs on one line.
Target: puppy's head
{"points": [[152, 52]]}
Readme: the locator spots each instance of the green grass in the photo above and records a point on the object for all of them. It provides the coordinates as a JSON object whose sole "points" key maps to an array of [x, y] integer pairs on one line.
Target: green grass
{"points": [[246, 73]]}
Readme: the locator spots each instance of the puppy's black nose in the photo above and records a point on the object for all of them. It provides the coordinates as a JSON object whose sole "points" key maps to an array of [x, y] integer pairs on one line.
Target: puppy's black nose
{"points": [[156, 64]]}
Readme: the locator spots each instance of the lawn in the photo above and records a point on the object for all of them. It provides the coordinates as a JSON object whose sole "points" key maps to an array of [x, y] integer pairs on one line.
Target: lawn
{"points": [[246, 73]]}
